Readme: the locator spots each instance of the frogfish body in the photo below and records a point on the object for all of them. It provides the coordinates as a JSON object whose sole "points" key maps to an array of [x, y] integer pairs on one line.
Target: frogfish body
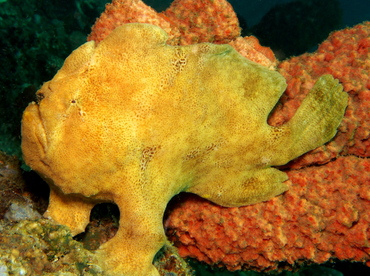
{"points": [[135, 121]]}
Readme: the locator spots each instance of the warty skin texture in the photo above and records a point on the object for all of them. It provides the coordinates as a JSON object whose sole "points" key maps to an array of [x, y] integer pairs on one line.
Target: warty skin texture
{"points": [[135, 121]]}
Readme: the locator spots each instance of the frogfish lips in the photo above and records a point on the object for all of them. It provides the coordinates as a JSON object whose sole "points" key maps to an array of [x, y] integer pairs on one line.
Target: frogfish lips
{"points": [[34, 142]]}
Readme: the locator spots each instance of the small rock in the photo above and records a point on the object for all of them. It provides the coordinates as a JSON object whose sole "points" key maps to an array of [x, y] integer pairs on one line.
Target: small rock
{"points": [[20, 211]]}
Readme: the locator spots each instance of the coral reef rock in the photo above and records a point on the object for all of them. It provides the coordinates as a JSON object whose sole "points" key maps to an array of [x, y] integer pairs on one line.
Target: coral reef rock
{"points": [[42, 248]]}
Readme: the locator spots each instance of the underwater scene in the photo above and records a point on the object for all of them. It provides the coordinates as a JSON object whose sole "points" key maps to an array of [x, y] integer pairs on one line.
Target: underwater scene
{"points": [[185, 137]]}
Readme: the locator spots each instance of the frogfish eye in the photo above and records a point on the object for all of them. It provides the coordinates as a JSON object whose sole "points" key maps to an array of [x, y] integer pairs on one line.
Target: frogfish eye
{"points": [[39, 97]]}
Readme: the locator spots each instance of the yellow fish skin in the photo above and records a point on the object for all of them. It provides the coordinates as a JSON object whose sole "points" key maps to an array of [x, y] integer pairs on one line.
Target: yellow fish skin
{"points": [[135, 121]]}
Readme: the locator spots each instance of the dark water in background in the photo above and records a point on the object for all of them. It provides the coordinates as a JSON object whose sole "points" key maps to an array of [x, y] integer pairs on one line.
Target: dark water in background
{"points": [[354, 11]]}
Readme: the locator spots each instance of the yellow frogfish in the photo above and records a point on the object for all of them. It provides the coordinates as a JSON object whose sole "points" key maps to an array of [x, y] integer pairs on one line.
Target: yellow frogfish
{"points": [[135, 121]]}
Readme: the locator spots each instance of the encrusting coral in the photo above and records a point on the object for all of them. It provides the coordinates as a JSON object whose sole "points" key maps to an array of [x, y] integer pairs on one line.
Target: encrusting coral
{"points": [[325, 213], [185, 21], [203, 21], [135, 121], [121, 12], [250, 48]]}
